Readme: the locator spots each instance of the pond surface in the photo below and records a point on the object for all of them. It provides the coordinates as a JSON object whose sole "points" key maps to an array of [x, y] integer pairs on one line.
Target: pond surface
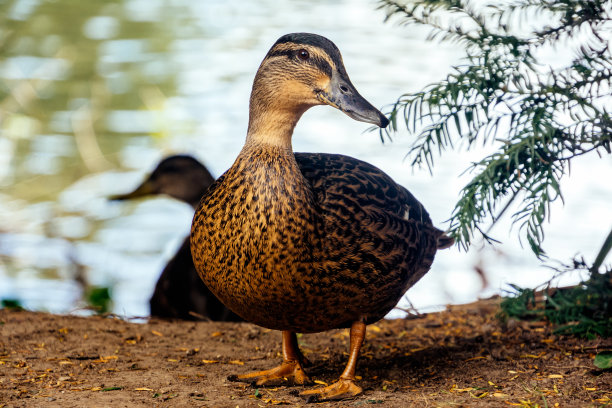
{"points": [[93, 94]]}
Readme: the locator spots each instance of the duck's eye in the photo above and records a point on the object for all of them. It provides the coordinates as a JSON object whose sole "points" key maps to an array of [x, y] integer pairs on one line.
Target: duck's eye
{"points": [[303, 55]]}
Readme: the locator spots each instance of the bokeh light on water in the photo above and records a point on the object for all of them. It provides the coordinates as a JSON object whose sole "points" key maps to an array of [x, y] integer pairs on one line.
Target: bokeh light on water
{"points": [[94, 93]]}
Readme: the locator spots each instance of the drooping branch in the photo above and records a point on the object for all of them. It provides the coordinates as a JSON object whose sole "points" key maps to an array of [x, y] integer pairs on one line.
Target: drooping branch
{"points": [[537, 118]]}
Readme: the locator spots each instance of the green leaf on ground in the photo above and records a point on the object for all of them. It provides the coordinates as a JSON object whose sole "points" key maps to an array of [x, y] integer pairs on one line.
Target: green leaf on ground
{"points": [[603, 360]]}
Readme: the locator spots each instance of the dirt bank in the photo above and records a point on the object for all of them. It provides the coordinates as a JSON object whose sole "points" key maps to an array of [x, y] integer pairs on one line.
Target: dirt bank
{"points": [[461, 357]]}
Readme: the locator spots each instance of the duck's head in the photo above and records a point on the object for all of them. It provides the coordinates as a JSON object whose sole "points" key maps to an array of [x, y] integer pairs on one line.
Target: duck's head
{"points": [[302, 70], [180, 176]]}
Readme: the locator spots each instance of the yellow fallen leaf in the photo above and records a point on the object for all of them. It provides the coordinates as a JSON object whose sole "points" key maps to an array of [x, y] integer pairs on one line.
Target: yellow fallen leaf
{"points": [[320, 382], [454, 388], [155, 332], [216, 334], [210, 361], [375, 328], [358, 377], [555, 376], [475, 358], [104, 359], [500, 395], [237, 362], [462, 389], [590, 389], [530, 356], [142, 389], [172, 360]]}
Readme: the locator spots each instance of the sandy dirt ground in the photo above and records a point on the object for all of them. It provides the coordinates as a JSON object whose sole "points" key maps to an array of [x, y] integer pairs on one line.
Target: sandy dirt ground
{"points": [[462, 357]]}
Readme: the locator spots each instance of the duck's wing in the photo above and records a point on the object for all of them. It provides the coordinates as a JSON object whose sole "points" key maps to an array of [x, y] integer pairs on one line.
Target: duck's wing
{"points": [[339, 180], [370, 228]]}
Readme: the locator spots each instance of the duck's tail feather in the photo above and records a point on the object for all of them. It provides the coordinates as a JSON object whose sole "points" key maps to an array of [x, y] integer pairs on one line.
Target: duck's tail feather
{"points": [[444, 241]]}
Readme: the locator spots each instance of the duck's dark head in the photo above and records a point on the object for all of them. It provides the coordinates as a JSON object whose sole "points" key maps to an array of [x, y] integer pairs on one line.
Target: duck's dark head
{"points": [[302, 70], [180, 176]]}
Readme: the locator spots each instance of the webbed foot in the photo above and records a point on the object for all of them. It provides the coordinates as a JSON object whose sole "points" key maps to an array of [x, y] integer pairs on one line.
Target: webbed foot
{"points": [[288, 373], [341, 389]]}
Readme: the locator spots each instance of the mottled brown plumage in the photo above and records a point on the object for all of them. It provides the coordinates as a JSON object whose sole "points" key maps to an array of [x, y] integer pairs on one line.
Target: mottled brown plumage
{"points": [[308, 242]]}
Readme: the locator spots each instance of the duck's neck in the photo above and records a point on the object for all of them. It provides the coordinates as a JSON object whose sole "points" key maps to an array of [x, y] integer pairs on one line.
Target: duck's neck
{"points": [[273, 128], [272, 117]]}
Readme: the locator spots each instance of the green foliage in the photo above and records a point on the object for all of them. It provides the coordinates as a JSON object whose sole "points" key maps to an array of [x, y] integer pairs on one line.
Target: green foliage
{"points": [[584, 310], [11, 304], [603, 360], [521, 305], [99, 299], [536, 118]]}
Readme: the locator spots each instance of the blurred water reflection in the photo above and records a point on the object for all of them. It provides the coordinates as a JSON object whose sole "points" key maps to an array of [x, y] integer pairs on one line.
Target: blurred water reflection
{"points": [[93, 94]]}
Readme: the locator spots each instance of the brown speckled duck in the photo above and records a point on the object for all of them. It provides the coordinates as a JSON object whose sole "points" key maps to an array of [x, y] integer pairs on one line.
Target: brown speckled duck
{"points": [[179, 292], [308, 242]]}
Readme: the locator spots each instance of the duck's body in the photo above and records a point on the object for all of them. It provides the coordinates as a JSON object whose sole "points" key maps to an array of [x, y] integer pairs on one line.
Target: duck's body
{"points": [[308, 242], [311, 242]]}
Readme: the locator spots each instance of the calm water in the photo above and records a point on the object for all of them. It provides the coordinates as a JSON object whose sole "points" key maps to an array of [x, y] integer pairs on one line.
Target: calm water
{"points": [[93, 94]]}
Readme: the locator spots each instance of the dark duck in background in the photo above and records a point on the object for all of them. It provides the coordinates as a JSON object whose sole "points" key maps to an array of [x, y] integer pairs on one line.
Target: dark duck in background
{"points": [[308, 242], [179, 292]]}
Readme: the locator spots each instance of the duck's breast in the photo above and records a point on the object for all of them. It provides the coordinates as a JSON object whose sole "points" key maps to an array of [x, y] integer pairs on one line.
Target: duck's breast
{"points": [[252, 237]]}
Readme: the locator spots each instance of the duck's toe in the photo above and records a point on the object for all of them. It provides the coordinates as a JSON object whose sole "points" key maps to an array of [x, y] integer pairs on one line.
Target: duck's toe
{"points": [[341, 389], [288, 373]]}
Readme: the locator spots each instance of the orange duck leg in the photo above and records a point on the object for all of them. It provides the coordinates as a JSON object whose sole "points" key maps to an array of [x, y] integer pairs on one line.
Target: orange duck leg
{"points": [[345, 387]]}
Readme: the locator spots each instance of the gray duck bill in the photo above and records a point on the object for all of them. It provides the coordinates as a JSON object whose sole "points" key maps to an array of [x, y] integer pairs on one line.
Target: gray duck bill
{"points": [[343, 95]]}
